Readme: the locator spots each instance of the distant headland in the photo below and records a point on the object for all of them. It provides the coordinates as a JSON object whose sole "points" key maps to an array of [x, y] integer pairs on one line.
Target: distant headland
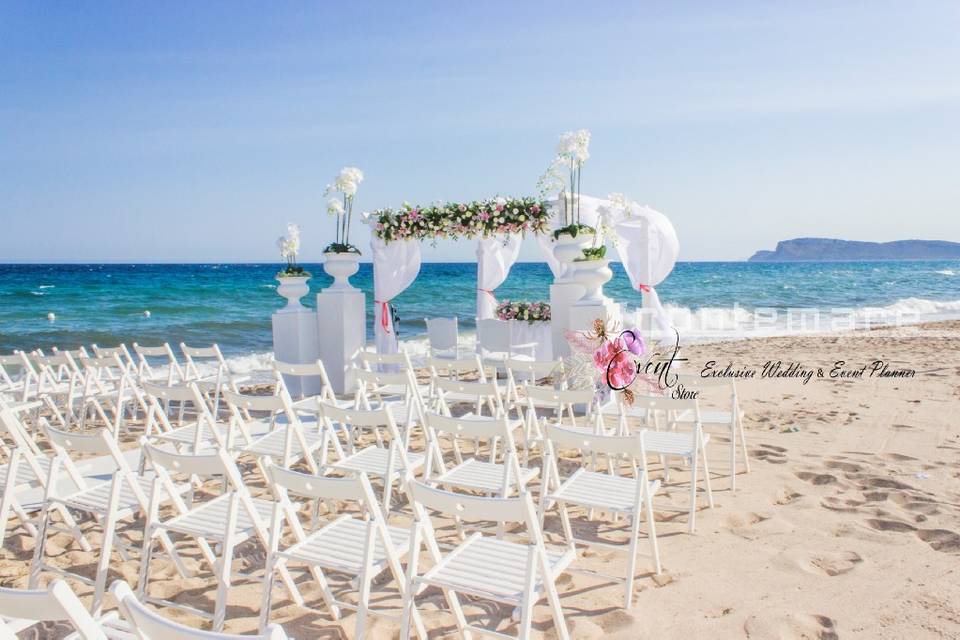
{"points": [[833, 249]]}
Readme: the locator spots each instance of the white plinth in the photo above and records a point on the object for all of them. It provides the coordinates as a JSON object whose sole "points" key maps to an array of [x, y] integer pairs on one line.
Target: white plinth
{"points": [[563, 296], [295, 342], [582, 316], [342, 333]]}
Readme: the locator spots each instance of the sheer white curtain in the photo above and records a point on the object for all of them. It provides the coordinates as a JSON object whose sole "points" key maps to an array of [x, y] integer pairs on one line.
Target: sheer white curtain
{"points": [[648, 248], [589, 213], [395, 267], [495, 255]]}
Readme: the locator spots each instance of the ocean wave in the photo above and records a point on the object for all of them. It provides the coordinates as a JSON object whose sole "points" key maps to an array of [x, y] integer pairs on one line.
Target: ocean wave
{"points": [[46, 286], [946, 272]]}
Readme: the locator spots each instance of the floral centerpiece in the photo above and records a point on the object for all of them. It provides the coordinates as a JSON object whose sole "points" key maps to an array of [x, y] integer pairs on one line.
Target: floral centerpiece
{"points": [[289, 246], [564, 174], [530, 311], [608, 360], [345, 184], [452, 220]]}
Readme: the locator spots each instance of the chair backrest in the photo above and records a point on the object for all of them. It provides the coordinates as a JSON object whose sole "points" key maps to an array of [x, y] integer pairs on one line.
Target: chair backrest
{"points": [[147, 625], [482, 427], [201, 465], [21, 608], [559, 396], [87, 443], [536, 369], [483, 391], [442, 333], [468, 507], [352, 487], [567, 438], [164, 353], [15, 364], [455, 367], [358, 417], [669, 408], [269, 403], [493, 335], [374, 379], [192, 354], [374, 360], [120, 351]]}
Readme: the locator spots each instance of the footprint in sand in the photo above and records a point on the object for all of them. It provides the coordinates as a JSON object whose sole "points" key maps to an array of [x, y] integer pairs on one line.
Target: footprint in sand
{"points": [[890, 525], [791, 626], [942, 540], [849, 467], [835, 564], [787, 496], [816, 478], [838, 504]]}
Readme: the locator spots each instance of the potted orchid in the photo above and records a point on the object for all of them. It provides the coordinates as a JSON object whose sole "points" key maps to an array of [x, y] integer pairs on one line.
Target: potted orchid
{"points": [[292, 278], [340, 258], [591, 268], [564, 174]]}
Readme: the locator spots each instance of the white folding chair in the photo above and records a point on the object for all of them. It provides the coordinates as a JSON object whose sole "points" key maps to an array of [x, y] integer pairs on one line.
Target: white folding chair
{"points": [[729, 418], [453, 369], [227, 520], [121, 352], [499, 475], [26, 468], [607, 491], [531, 372], [443, 334], [16, 377], [59, 381], [285, 439], [20, 609], [305, 375], [496, 344], [145, 624], [163, 357], [108, 502], [690, 447], [477, 394], [215, 382], [486, 567], [192, 436], [109, 386], [397, 390], [361, 547], [389, 462]]}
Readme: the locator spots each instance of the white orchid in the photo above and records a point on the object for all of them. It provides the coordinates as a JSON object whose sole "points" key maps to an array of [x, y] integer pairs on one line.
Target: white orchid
{"points": [[572, 152], [346, 183], [334, 207]]}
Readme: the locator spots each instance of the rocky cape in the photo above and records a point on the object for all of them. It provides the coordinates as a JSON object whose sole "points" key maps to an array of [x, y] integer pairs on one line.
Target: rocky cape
{"points": [[832, 249]]}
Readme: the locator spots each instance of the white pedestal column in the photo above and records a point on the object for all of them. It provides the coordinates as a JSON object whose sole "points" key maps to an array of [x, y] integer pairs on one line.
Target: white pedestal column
{"points": [[295, 342], [583, 315], [342, 333], [563, 295]]}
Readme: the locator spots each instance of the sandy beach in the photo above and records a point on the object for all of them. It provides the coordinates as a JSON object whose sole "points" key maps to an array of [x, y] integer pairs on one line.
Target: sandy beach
{"points": [[847, 526]]}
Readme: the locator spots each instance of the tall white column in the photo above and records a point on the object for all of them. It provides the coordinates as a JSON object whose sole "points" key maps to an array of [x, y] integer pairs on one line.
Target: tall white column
{"points": [[563, 295], [341, 334], [295, 342]]}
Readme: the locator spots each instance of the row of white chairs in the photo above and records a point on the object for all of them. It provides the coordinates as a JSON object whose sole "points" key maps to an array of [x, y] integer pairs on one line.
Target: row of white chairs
{"points": [[212, 447]]}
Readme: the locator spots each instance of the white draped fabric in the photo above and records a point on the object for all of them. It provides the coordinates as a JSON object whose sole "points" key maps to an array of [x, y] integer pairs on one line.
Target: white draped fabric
{"points": [[495, 255], [589, 213], [395, 267], [648, 248]]}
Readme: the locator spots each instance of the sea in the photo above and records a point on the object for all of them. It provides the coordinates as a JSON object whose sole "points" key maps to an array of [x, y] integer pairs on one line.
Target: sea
{"points": [[231, 304]]}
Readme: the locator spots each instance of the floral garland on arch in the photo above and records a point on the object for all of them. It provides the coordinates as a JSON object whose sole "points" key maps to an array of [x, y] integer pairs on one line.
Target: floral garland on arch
{"points": [[529, 311], [453, 220]]}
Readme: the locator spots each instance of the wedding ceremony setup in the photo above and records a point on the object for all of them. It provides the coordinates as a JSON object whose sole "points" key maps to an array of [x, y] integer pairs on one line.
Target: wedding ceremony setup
{"points": [[384, 453]]}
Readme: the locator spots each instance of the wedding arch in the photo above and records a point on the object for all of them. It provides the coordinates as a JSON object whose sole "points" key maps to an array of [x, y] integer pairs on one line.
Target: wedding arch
{"points": [[645, 240]]}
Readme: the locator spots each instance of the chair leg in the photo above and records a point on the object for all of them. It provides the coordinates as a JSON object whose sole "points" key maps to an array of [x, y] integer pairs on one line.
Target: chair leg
{"points": [[267, 596], [652, 534], [366, 578], [223, 586], [526, 607], [733, 456], [632, 560], [743, 444], [37, 565], [706, 473], [693, 493], [556, 609], [145, 554], [103, 564]]}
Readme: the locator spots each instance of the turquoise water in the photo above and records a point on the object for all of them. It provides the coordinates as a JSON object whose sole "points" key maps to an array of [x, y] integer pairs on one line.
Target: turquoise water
{"points": [[231, 303]]}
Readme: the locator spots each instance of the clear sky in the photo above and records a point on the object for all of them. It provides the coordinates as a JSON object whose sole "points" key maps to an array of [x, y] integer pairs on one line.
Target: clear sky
{"points": [[194, 131]]}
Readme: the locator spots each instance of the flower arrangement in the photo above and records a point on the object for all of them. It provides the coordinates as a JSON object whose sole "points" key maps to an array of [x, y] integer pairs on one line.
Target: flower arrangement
{"points": [[529, 311], [609, 361], [564, 174], [346, 184], [618, 203], [453, 220], [289, 246]]}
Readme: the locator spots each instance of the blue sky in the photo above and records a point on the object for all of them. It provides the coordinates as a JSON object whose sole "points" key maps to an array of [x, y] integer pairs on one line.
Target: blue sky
{"points": [[195, 131]]}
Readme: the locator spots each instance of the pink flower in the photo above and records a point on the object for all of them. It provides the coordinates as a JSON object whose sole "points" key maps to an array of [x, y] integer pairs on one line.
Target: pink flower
{"points": [[535, 208], [484, 216], [499, 207]]}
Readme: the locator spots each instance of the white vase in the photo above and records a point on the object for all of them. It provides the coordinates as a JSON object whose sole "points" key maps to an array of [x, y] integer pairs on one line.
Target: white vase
{"points": [[567, 249], [592, 275], [293, 288], [340, 266]]}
